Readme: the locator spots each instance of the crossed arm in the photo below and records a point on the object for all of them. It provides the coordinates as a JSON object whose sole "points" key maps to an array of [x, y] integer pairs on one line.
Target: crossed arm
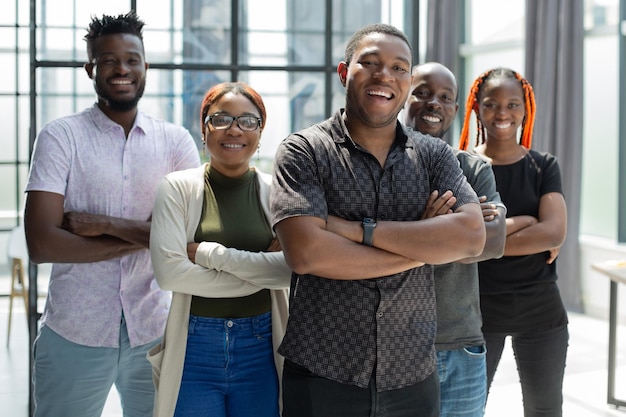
{"points": [[332, 248], [494, 217], [523, 235], [529, 235], [76, 237]]}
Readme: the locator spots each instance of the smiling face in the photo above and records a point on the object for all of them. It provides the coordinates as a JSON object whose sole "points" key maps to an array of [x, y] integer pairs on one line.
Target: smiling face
{"points": [[231, 149], [377, 80], [501, 108], [431, 106], [118, 70]]}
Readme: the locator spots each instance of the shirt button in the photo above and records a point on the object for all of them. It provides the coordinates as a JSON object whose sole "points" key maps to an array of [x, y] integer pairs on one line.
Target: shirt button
{"points": [[229, 323], [380, 314]]}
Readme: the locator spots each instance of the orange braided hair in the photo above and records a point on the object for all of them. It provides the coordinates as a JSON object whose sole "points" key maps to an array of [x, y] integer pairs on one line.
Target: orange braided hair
{"points": [[471, 105]]}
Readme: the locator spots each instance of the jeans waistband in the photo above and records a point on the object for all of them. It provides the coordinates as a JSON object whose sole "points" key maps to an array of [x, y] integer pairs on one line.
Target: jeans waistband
{"points": [[245, 323]]}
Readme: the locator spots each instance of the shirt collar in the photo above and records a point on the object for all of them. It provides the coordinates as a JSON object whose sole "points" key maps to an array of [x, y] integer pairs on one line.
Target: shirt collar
{"points": [[340, 132], [104, 124]]}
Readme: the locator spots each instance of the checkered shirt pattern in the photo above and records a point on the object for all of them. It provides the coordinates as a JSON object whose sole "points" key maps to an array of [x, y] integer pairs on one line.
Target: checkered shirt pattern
{"points": [[348, 331]]}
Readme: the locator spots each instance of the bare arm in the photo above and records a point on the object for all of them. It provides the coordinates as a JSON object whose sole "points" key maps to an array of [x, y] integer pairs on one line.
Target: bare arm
{"points": [[439, 239], [48, 241], [92, 225], [494, 217], [546, 234], [310, 248], [516, 223]]}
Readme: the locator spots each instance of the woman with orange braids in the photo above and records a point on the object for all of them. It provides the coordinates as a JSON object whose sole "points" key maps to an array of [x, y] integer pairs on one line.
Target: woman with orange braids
{"points": [[519, 294]]}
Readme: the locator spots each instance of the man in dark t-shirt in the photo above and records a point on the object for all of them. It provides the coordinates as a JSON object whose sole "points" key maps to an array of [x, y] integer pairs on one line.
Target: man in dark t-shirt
{"points": [[430, 109]]}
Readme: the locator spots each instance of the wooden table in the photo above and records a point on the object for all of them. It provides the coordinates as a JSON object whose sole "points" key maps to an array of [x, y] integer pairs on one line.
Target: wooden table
{"points": [[616, 271]]}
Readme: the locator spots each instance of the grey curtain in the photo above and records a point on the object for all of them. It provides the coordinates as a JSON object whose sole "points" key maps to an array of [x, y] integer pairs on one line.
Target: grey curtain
{"points": [[554, 67], [443, 36], [443, 33]]}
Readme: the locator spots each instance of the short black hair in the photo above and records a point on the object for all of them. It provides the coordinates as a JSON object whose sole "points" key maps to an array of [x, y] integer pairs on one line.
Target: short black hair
{"points": [[109, 25], [357, 37]]}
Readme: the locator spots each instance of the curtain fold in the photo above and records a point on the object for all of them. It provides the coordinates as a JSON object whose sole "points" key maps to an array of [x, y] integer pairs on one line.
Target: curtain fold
{"points": [[443, 33], [443, 37], [554, 67]]}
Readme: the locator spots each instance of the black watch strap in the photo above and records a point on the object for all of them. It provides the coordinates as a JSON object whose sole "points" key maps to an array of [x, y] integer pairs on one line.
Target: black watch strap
{"points": [[369, 225]]}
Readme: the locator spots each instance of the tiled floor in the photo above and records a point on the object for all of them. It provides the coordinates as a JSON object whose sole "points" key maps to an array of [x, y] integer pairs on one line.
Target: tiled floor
{"points": [[584, 387]]}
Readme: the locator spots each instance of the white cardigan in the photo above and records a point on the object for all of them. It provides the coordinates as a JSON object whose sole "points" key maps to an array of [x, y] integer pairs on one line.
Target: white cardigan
{"points": [[218, 272]]}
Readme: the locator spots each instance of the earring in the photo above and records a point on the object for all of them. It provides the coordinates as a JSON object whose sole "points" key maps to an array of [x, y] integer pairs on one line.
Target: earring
{"points": [[203, 154]]}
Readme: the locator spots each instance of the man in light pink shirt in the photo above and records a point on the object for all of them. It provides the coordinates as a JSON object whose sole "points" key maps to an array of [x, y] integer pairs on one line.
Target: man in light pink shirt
{"points": [[90, 194]]}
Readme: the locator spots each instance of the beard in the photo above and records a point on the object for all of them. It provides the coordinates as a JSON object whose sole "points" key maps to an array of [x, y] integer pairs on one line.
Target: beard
{"points": [[115, 104], [354, 110]]}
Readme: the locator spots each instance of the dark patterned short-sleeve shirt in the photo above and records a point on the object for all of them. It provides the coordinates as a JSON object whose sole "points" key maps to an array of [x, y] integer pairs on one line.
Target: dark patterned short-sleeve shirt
{"points": [[348, 331]]}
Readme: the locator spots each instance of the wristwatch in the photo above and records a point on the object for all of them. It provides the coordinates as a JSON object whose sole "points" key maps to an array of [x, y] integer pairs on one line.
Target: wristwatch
{"points": [[369, 225]]}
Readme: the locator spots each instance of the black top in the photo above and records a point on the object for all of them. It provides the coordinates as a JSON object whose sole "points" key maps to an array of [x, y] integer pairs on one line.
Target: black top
{"points": [[519, 293]]}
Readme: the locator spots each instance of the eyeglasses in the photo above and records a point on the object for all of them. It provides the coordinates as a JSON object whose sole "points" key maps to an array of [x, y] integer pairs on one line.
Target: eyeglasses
{"points": [[223, 122]]}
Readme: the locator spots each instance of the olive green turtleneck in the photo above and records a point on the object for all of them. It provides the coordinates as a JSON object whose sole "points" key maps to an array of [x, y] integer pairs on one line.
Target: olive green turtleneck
{"points": [[233, 216]]}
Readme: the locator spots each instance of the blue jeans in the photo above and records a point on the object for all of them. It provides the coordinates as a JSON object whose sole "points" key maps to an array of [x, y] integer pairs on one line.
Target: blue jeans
{"points": [[463, 381], [306, 394], [72, 380], [540, 359], [229, 369]]}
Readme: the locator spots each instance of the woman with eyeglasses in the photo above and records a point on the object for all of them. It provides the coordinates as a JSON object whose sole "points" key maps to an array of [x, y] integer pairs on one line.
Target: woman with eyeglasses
{"points": [[212, 245]]}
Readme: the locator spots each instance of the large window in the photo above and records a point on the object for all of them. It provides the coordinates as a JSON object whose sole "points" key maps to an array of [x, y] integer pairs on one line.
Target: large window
{"points": [[14, 117], [286, 49], [495, 37], [599, 196]]}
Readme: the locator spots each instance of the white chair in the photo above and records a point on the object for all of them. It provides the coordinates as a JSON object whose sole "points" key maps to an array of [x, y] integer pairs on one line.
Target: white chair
{"points": [[17, 253]]}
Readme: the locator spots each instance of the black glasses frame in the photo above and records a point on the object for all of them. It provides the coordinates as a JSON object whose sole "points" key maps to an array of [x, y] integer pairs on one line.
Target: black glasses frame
{"points": [[209, 119]]}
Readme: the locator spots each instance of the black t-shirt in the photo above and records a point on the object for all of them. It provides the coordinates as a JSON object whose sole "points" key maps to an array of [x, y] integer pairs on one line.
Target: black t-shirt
{"points": [[519, 292]]}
